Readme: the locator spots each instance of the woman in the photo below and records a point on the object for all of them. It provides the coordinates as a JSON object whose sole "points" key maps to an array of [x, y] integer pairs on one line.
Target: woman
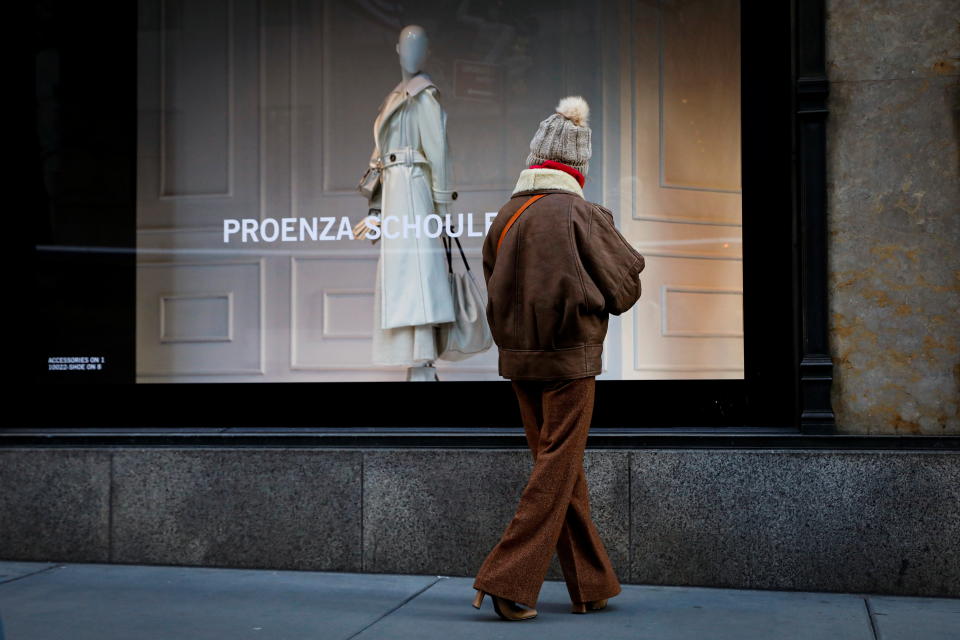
{"points": [[556, 267]]}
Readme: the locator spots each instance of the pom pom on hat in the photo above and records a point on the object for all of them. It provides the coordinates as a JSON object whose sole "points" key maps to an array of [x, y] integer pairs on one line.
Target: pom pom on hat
{"points": [[575, 109]]}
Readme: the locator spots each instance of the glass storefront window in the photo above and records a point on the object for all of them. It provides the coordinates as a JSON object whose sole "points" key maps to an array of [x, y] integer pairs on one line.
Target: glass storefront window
{"points": [[256, 121], [201, 232]]}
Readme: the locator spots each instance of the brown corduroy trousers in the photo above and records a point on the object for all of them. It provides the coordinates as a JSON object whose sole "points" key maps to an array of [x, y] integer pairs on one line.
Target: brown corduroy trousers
{"points": [[554, 509]]}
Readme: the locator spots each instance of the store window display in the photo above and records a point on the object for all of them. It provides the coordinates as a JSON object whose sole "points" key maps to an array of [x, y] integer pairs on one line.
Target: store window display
{"points": [[314, 282]]}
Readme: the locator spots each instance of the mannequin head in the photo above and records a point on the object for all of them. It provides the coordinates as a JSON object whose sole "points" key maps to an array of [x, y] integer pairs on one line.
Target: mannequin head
{"points": [[412, 48]]}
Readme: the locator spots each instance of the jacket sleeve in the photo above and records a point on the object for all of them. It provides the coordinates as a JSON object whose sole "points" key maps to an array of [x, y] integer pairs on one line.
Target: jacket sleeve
{"points": [[433, 142], [608, 259]]}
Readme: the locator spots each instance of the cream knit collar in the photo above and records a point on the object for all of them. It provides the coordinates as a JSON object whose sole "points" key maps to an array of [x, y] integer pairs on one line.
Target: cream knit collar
{"points": [[543, 178]]}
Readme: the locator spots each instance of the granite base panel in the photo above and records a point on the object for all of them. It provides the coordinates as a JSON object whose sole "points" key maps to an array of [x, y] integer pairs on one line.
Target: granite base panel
{"points": [[882, 522]]}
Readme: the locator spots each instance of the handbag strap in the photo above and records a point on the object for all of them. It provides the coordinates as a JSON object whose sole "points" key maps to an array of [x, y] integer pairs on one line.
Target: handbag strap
{"points": [[448, 248], [516, 215]]}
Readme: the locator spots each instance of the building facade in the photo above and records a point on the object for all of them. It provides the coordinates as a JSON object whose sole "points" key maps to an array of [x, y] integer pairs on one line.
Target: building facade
{"points": [[824, 457]]}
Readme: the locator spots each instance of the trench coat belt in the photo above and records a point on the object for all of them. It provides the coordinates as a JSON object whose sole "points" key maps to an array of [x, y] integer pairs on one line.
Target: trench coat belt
{"points": [[406, 155]]}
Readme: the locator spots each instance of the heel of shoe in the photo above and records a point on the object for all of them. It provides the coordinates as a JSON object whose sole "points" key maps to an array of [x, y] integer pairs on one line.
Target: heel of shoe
{"points": [[508, 610], [504, 608], [592, 605]]}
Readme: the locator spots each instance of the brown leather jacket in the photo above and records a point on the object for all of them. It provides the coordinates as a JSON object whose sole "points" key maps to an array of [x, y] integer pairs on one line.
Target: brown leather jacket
{"points": [[562, 268]]}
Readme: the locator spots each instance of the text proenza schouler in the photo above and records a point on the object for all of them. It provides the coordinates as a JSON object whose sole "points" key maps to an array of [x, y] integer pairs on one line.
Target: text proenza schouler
{"points": [[327, 228]]}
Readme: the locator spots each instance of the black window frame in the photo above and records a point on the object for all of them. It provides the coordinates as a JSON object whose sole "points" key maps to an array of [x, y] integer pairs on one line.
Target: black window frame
{"points": [[788, 369]]}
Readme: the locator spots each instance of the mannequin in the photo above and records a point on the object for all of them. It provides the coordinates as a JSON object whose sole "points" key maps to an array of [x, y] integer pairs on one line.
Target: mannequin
{"points": [[412, 295]]}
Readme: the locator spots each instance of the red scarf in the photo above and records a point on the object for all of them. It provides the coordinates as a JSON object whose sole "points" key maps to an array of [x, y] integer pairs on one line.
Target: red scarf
{"points": [[550, 164]]}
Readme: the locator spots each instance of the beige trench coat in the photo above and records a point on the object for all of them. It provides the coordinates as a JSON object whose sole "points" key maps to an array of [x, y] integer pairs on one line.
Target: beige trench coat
{"points": [[412, 296], [412, 287]]}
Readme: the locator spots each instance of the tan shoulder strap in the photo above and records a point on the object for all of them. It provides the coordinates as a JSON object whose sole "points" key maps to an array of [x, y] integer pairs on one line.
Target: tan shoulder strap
{"points": [[517, 215]]}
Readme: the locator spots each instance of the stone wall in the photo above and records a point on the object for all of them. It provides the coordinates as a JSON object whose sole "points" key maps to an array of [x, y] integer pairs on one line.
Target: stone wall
{"points": [[852, 521], [893, 191]]}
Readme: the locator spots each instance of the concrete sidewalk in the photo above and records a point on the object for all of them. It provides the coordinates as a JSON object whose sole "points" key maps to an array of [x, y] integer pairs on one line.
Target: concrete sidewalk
{"points": [[41, 600]]}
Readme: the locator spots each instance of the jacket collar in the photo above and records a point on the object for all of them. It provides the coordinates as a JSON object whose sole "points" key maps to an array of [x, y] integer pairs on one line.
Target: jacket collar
{"points": [[417, 83], [542, 178]]}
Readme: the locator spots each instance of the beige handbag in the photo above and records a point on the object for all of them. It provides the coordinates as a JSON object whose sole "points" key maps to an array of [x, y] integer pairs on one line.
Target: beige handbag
{"points": [[469, 332]]}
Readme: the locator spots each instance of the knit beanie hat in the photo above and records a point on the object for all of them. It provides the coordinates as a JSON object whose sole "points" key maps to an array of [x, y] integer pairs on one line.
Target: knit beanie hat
{"points": [[564, 136]]}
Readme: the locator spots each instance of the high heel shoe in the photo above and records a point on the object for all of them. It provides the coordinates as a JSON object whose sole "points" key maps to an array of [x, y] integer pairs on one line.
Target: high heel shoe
{"points": [[505, 608], [593, 605]]}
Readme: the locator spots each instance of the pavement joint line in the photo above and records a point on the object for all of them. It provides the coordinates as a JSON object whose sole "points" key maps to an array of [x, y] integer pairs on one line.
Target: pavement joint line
{"points": [[405, 601], [110, 500], [873, 623], [32, 573], [630, 514], [363, 547]]}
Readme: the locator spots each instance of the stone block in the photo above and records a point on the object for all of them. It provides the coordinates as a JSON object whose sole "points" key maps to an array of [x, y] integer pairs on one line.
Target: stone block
{"points": [[55, 505], [256, 508], [442, 511], [818, 521]]}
